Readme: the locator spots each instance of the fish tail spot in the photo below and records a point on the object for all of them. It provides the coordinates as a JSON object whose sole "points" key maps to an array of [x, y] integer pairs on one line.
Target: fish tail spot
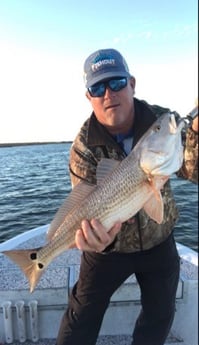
{"points": [[33, 256]]}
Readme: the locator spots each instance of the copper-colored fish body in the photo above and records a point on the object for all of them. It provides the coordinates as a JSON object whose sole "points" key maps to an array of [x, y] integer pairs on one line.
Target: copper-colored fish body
{"points": [[123, 188]]}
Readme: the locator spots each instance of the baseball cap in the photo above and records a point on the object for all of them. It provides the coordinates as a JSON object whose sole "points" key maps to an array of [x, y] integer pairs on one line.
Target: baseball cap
{"points": [[104, 64]]}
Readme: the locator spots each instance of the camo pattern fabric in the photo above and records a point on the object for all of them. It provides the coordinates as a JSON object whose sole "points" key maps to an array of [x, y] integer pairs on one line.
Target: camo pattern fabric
{"points": [[189, 169], [94, 143]]}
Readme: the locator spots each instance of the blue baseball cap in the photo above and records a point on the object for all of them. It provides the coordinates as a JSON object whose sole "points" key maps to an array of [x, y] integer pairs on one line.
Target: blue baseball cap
{"points": [[104, 64]]}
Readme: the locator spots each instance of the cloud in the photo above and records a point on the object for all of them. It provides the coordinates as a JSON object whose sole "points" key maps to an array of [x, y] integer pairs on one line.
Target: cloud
{"points": [[151, 33]]}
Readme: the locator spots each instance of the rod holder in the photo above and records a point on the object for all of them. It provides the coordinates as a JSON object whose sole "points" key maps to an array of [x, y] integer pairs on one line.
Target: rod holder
{"points": [[19, 305], [7, 316], [34, 320]]}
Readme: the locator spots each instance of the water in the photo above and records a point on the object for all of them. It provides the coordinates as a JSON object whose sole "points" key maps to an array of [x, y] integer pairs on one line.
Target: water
{"points": [[34, 181]]}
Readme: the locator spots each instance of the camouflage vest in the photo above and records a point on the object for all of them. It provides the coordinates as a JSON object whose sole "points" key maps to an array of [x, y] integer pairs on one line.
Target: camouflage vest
{"points": [[94, 143]]}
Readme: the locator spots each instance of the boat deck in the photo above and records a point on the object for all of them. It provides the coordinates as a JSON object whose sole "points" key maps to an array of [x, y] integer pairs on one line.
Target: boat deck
{"points": [[103, 340], [50, 298]]}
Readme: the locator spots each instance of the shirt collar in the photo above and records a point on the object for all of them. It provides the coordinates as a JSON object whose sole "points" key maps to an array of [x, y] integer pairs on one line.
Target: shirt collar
{"points": [[98, 135]]}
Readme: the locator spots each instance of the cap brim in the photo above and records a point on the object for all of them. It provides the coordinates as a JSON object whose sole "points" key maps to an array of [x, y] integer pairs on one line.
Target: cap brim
{"points": [[104, 76]]}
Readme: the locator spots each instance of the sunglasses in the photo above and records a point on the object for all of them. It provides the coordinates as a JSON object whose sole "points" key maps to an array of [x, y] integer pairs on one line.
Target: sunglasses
{"points": [[99, 89]]}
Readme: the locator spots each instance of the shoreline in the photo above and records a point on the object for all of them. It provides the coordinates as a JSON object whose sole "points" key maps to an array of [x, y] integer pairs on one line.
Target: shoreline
{"points": [[34, 143]]}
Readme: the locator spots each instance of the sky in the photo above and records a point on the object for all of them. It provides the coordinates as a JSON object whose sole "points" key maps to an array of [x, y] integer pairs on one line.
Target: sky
{"points": [[44, 43]]}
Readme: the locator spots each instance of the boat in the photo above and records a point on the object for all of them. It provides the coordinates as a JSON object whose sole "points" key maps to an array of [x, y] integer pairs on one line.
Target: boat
{"points": [[34, 318]]}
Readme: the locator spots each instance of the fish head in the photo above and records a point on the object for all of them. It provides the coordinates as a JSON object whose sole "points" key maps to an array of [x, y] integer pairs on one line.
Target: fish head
{"points": [[161, 150]]}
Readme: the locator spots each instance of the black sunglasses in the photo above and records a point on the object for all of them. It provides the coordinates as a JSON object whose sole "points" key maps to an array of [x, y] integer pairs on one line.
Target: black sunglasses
{"points": [[99, 89]]}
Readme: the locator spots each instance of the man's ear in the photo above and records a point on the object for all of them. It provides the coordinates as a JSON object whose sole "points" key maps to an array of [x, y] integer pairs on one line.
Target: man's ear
{"points": [[88, 95], [132, 82]]}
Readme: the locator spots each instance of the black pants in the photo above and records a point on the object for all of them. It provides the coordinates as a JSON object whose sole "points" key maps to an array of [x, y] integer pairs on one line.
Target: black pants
{"points": [[157, 272]]}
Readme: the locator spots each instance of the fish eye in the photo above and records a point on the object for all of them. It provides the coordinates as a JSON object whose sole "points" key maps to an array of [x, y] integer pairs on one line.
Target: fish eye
{"points": [[157, 128]]}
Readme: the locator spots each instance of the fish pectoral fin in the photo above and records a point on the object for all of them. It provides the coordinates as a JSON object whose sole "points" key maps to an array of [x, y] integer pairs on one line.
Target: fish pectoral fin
{"points": [[154, 208], [105, 167], [28, 263], [76, 196]]}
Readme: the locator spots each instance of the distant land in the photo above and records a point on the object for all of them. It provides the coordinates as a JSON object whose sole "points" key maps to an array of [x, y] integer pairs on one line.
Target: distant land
{"points": [[33, 143]]}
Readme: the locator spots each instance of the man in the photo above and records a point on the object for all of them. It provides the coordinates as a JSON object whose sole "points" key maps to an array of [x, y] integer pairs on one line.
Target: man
{"points": [[140, 245]]}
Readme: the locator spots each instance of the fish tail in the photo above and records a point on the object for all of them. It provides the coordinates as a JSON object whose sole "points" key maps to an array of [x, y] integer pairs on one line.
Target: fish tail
{"points": [[29, 264]]}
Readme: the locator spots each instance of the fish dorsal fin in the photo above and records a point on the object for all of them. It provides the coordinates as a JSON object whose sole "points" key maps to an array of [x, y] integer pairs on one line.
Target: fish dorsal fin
{"points": [[79, 193], [154, 208], [105, 167]]}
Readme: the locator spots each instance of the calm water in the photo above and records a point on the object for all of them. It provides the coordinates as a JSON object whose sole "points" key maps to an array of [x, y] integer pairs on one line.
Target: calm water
{"points": [[34, 180]]}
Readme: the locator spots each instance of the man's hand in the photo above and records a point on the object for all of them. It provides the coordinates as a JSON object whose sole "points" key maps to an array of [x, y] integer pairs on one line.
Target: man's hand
{"points": [[94, 237], [195, 124]]}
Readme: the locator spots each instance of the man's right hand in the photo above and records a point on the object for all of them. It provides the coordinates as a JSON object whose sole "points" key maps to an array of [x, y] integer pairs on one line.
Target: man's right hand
{"points": [[93, 236]]}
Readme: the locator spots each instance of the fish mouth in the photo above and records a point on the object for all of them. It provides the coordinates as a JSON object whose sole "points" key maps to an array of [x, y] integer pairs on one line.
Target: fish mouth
{"points": [[159, 153], [175, 127]]}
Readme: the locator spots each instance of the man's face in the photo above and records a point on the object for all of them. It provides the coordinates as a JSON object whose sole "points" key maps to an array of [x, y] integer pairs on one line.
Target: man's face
{"points": [[115, 109]]}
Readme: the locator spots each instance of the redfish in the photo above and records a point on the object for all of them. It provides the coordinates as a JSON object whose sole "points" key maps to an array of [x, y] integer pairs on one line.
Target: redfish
{"points": [[122, 189]]}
